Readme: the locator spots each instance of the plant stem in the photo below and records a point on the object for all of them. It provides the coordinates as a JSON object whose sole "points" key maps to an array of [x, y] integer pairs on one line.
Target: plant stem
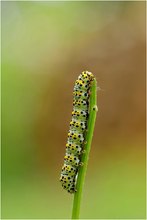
{"points": [[85, 156]]}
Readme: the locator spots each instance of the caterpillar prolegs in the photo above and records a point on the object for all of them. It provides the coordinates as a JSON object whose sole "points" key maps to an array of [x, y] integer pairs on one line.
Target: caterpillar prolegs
{"points": [[78, 128]]}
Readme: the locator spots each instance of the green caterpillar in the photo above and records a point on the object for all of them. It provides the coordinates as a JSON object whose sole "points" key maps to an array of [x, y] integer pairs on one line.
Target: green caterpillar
{"points": [[77, 131]]}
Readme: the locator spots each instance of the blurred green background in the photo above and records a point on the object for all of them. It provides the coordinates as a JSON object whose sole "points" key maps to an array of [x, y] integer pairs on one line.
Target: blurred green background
{"points": [[45, 46]]}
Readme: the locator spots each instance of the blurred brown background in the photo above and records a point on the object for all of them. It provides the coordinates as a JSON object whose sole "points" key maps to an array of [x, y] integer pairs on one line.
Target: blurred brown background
{"points": [[45, 46]]}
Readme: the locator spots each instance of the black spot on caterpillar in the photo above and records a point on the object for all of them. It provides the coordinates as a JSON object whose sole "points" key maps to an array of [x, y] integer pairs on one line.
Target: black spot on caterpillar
{"points": [[78, 128]]}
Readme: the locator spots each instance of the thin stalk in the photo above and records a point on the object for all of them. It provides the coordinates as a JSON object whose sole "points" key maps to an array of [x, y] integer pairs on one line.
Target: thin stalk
{"points": [[82, 171]]}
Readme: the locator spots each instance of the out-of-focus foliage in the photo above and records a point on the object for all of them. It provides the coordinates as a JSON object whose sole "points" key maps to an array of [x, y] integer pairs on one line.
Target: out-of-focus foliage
{"points": [[45, 45]]}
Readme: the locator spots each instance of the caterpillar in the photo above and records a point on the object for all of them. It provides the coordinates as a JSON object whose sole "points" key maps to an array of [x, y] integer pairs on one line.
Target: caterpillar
{"points": [[77, 131]]}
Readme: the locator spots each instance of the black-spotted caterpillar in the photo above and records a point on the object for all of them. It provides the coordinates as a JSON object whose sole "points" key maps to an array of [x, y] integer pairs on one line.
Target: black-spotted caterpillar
{"points": [[78, 127]]}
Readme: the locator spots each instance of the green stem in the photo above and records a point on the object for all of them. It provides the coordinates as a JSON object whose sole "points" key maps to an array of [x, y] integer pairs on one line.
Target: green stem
{"points": [[85, 156]]}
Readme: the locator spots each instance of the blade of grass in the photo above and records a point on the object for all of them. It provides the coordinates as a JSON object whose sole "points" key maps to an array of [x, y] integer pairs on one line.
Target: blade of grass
{"points": [[82, 171]]}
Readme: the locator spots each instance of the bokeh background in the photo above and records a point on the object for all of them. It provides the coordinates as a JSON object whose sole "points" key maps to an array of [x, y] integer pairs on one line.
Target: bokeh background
{"points": [[45, 46]]}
